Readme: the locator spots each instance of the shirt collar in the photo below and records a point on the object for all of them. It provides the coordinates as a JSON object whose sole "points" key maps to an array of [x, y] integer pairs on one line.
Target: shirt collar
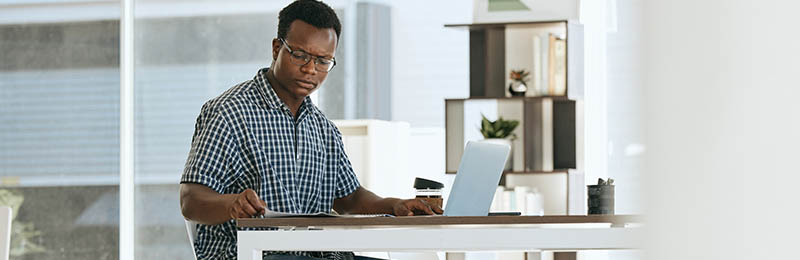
{"points": [[272, 99]]}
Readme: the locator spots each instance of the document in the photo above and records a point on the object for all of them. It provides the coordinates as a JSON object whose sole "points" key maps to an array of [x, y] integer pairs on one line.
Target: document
{"points": [[275, 214]]}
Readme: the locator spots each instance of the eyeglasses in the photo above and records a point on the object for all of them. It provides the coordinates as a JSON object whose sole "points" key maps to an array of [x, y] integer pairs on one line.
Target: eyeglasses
{"points": [[301, 58]]}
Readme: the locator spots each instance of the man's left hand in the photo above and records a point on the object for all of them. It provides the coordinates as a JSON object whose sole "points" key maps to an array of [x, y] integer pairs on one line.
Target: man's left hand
{"points": [[412, 207]]}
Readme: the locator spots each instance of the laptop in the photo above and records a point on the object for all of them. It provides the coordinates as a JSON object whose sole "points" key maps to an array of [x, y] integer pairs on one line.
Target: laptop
{"points": [[476, 180]]}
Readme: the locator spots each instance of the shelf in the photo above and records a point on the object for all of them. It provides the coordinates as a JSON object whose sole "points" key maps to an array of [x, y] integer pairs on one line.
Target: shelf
{"points": [[557, 171], [555, 98], [486, 25]]}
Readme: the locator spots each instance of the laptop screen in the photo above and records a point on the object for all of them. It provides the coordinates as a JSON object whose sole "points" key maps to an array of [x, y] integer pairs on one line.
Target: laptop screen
{"points": [[476, 180]]}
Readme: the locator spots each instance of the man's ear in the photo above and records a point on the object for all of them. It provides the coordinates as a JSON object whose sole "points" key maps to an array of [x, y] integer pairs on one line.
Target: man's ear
{"points": [[276, 48]]}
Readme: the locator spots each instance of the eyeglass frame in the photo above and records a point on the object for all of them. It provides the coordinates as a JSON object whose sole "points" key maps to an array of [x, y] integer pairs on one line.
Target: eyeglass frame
{"points": [[316, 58]]}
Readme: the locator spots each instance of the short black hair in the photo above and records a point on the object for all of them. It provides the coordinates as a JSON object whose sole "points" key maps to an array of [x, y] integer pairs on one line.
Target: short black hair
{"points": [[313, 12]]}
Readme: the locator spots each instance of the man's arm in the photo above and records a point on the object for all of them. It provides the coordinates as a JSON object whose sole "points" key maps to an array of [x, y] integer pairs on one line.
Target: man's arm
{"points": [[363, 201], [206, 206]]}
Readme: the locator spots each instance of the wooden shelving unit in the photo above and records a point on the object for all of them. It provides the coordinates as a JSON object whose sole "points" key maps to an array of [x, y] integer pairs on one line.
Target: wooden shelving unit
{"points": [[547, 152]]}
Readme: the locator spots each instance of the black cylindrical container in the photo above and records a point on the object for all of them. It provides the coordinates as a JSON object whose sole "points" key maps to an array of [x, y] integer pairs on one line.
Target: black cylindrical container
{"points": [[601, 199]]}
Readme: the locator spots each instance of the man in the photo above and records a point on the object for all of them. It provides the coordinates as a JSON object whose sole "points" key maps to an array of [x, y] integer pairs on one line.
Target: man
{"points": [[263, 145]]}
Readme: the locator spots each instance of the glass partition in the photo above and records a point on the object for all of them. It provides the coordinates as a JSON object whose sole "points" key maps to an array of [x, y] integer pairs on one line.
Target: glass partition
{"points": [[59, 129]]}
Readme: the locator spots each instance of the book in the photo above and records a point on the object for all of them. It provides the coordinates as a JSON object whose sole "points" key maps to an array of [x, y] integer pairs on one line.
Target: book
{"points": [[537, 86], [544, 65], [552, 64], [558, 76]]}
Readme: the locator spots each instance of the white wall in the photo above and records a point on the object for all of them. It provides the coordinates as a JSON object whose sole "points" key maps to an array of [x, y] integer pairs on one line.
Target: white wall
{"points": [[723, 130], [429, 62]]}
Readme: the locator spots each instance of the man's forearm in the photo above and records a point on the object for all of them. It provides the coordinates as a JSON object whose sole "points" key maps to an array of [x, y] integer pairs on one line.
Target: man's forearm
{"points": [[204, 205], [363, 201]]}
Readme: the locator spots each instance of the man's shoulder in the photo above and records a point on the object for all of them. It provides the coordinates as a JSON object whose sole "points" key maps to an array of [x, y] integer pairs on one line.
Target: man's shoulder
{"points": [[232, 101]]}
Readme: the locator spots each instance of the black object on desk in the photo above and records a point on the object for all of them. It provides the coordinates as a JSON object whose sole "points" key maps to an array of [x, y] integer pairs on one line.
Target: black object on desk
{"points": [[505, 213]]}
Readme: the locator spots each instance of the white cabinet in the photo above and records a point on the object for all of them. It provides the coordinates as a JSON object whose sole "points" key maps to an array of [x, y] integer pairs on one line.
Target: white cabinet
{"points": [[378, 151]]}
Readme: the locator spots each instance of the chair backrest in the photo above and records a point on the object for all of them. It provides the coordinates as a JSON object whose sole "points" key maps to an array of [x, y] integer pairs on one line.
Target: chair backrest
{"points": [[191, 230], [5, 231]]}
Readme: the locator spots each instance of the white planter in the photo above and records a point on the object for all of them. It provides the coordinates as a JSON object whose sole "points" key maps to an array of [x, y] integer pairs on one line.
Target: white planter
{"points": [[503, 141]]}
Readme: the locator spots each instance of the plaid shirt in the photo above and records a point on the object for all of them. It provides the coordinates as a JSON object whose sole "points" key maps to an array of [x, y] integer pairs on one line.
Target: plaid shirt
{"points": [[247, 139]]}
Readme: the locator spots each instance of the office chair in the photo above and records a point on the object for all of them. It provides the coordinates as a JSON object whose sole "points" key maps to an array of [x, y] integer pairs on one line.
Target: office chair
{"points": [[191, 230]]}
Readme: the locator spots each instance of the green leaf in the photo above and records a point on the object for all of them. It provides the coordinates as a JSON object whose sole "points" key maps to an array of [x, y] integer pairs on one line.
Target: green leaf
{"points": [[500, 128]]}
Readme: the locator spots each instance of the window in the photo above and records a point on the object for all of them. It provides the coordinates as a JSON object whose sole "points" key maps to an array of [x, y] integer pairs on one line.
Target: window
{"points": [[59, 138]]}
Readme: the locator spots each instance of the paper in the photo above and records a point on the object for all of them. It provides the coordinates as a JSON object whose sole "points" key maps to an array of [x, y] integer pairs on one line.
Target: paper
{"points": [[275, 214]]}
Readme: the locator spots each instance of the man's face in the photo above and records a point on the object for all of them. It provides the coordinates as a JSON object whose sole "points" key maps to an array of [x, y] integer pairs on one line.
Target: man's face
{"points": [[299, 81]]}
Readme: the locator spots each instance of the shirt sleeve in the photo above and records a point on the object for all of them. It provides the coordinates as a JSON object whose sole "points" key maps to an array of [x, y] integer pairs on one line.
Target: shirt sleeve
{"points": [[213, 158], [346, 180]]}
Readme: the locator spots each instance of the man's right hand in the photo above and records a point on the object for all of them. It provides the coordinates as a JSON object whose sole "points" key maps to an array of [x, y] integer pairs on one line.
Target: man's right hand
{"points": [[246, 205]]}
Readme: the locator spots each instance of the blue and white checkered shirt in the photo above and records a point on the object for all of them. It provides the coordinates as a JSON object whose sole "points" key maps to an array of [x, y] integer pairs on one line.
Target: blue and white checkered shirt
{"points": [[248, 139]]}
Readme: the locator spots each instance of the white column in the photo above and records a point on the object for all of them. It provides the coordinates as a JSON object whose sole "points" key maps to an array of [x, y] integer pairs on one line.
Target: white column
{"points": [[126, 134], [593, 17]]}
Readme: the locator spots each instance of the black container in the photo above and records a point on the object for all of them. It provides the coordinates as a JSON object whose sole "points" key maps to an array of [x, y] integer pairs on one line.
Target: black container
{"points": [[601, 199], [429, 191]]}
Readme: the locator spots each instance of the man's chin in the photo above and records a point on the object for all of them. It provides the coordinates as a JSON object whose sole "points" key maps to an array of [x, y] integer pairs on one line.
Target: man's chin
{"points": [[302, 92]]}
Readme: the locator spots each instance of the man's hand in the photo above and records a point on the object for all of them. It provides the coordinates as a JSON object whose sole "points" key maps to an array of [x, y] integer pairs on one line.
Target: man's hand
{"points": [[412, 207], [363, 201], [246, 205]]}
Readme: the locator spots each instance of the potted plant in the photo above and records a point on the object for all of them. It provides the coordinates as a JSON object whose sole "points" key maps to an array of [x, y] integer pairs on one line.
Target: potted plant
{"points": [[519, 82], [499, 131], [25, 237]]}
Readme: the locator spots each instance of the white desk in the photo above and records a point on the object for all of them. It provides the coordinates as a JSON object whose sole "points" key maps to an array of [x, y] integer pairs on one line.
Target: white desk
{"points": [[437, 233]]}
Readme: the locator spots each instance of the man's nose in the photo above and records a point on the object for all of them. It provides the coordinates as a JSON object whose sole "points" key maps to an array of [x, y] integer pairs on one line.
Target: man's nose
{"points": [[309, 68]]}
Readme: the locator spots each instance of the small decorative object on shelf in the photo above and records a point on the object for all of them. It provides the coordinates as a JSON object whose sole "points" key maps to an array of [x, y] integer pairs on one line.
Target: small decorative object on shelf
{"points": [[601, 197], [519, 81], [499, 131]]}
